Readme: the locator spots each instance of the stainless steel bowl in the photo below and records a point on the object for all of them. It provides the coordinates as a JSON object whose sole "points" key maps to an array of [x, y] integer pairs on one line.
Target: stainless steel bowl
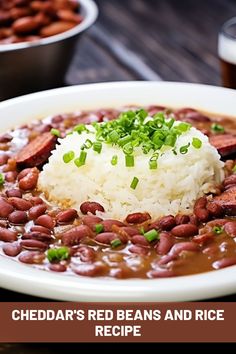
{"points": [[29, 67]]}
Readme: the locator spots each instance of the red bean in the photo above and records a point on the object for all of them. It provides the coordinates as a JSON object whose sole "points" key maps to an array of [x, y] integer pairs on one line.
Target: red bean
{"points": [[160, 273], [230, 228], [5, 138], [185, 230], [140, 240], [75, 235], [14, 193], [36, 200], [166, 259], [193, 220], [86, 254], [140, 250], [37, 210], [66, 216], [109, 223], [91, 221], [91, 207], [18, 217], [202, 214], [33, 245], [217, 222], [10, 176], [3, 158], [20, 204], [29, 181], [184, 246], [11, 249], [130, 230], [90, 270], [182, 219], [106, 237], [7, 235], [165, 243], [35, 235], [137, 218], [225, 262], [24, 173], [204, 238], [46, 221], [5, 208], [40, 229], [31, 257], [167, 223], [57, 267]]}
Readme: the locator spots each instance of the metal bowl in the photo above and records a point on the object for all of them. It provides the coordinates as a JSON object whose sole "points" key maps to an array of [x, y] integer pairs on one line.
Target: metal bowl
{"points": [[34, 66]]}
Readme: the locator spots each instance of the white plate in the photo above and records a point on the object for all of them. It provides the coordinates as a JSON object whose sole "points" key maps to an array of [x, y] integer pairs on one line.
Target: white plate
{"points": [[25, 279]]}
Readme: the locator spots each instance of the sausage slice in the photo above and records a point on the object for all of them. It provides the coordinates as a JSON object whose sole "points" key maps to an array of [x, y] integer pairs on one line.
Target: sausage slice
{"points": [[224, 143], [37, 151], [227, 200]]}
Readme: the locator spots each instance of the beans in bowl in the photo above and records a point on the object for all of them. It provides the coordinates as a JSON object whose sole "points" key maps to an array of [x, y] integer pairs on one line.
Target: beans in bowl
{"points": [[28, 21], [37, 231]]}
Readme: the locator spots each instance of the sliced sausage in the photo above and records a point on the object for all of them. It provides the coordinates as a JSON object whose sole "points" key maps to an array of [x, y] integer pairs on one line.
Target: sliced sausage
{"points": [[37, 151], [224, 143]]}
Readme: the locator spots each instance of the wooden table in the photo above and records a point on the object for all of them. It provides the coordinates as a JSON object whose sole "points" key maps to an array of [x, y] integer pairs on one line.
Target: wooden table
{"points": [[145, 40]]}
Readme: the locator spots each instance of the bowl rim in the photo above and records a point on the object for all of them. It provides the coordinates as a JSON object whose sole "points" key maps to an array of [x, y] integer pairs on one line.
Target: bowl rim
{"points": [[90, 10]]}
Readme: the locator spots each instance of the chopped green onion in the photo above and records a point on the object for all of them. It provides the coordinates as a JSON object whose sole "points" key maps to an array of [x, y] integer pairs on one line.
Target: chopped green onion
{"points": [[68, 156], [98, 228], [80, 161], [151, 235], [183, 127], [174, 151], [79, 128], [116, 243], [88, 144], [141, 230], [184, 149], [114, 136], [234, 168], [170, 140], [2, 179], [124, 140], [128, 148], [217, 128], [153, 164], [196, 143], [134, 183], [56, 132], [97, 146], [129, 161], [114, 160], [58, 254], [217, 230]]}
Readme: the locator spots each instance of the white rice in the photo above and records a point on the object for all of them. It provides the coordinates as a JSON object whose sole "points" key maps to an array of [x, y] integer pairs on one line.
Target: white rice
{"points": [[170, 189]]}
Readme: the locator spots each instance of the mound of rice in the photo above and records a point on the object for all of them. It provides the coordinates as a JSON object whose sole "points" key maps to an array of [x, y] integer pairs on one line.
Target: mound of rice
{"points": [[170, 189]]}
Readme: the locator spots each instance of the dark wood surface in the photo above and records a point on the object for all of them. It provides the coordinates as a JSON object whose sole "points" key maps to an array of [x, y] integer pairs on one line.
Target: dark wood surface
{"points": [[144, 40]]}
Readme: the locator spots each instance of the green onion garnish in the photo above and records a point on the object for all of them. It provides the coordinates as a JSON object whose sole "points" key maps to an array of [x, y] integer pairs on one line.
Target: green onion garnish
{"points": [[141, 230], [80, 161], [97, 146], [114, 160], [2, 179], [183, 127], [153, 164], [128, 148], [79, 128], [217, 230], [124, 140], [184, 149], [196, 143], [217, 128], [68, 156], [98, 228], [234, 168], [129, 161], [58, 254], [88, 144], [55, 132], [151, 235], [113, 136], [115, 243], [134, 183]]}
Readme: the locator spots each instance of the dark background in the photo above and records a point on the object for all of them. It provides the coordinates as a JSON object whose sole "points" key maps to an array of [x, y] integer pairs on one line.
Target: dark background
{"points": [[173, 40]]}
